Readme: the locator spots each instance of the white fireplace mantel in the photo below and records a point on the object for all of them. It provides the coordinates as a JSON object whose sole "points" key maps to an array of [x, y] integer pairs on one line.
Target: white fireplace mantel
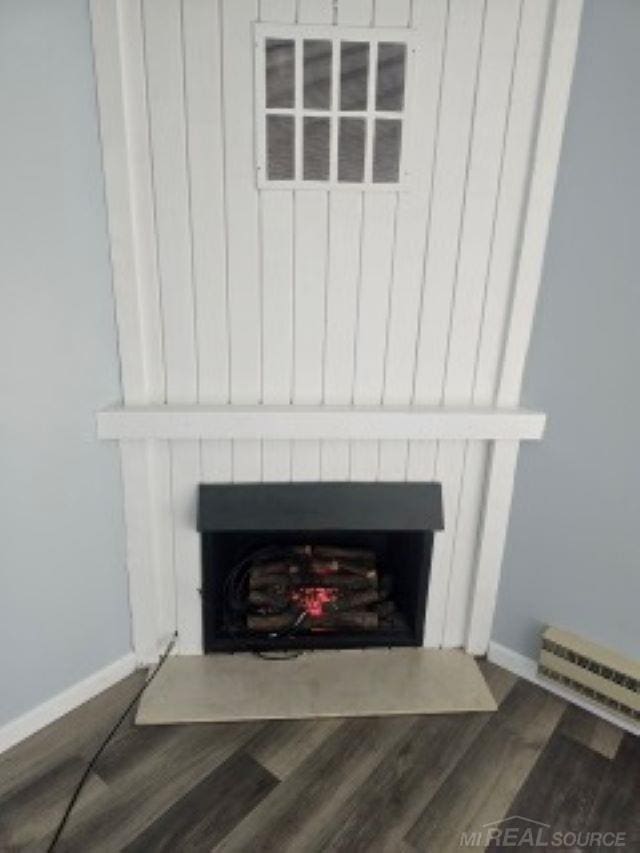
{"points": [[320, 422]]}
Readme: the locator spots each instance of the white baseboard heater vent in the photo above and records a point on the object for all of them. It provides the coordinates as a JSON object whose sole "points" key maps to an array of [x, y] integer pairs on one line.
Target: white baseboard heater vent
{"points": [[599, 674]]}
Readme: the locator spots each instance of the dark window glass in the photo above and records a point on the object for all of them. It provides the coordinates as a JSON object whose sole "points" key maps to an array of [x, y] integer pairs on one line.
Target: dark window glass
{"points": [[386, 150], [316, 149], [280, 55], [391, 71], [280, 148], [317, 74], [351, 135], [354, 74]]}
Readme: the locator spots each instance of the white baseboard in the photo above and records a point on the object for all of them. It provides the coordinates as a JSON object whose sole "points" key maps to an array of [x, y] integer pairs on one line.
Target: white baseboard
{"points": [[37, 718], [527, 668]]}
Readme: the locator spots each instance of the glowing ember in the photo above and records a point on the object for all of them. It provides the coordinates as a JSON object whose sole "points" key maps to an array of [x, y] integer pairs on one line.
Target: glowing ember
{"points": [[313, 599]]}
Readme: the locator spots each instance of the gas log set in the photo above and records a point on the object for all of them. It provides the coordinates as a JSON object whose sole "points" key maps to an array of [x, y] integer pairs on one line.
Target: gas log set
{"points": [[312, 589]]}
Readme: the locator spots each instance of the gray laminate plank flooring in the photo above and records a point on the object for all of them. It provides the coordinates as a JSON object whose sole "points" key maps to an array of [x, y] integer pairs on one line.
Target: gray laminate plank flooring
{"points": [[397, 784]]}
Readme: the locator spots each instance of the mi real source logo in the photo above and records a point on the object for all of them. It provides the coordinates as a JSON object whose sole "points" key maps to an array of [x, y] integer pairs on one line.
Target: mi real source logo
{"points": [[517, 831]]}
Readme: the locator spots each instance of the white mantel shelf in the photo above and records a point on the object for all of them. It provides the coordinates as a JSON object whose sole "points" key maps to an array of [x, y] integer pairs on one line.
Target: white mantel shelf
{"points": [[323, 422]]}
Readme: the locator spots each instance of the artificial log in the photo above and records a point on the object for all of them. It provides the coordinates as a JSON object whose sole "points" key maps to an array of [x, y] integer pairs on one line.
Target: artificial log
{"points": [[271, 623], [358, 555], [269, 581], [354, 600], [363, 620], [266, 570], [331, 567], [271, 600]]}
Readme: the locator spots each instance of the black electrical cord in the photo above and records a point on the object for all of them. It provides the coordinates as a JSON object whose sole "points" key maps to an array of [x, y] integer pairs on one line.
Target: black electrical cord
{"points": [[78, 789]]}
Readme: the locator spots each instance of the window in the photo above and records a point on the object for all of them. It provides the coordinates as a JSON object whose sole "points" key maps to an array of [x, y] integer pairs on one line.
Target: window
{"points": [[331, 107]]}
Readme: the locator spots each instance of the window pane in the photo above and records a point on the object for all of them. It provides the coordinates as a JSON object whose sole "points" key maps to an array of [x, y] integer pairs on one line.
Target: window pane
{"points": [[280, 148], [354, 72], [317, 74], [351, 149], [390, 86], [316, 149], [386, 150], [280, 72]]}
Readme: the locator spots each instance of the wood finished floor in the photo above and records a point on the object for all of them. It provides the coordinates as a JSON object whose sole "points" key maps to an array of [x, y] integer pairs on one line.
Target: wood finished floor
{"points": [[396, 784]]}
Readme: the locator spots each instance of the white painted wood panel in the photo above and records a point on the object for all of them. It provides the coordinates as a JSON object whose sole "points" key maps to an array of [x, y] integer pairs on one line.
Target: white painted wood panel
{"points": [[483, 174], [518, 147], [464, 36], [142, 202], [205, 138], [165, 81], [242, 215], [143, 599], [185, 476], [226, 294]]}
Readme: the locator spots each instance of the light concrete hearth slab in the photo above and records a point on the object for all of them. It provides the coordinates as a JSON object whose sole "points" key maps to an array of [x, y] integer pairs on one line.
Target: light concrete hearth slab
{"points": [[349, 683]]}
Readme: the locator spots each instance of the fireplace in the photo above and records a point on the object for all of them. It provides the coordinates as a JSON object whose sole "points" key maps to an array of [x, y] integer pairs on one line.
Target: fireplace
{"points": [[316, 565]]}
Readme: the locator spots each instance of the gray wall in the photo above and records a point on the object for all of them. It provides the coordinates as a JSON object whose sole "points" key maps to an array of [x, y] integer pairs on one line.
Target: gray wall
{"points": [[63, 598], [572, 556]]}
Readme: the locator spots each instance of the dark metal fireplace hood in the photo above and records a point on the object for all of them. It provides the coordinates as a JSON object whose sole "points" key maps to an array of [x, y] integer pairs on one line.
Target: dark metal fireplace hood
{"points": [[320, 506]]}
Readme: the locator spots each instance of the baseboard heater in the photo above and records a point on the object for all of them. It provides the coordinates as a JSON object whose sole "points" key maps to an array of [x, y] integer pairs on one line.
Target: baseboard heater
{"points": [[599, 674]]}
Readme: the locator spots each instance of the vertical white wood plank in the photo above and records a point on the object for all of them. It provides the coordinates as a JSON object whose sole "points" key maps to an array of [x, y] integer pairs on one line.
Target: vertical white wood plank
{"points": [[311, 242], [347, 229], [243, 248], [392, 460], [345, 219], [363, 464], [277, 277], [449, 468], [458, 93], [380, 223], [334, 460], [185, 476], [485, 160], [499, 492], [421, 461], [392, 13], [244, 268], [247, 461], [527, 80], [465, 545], [205, 119], [161, 534], [305, 461], [144, 606], [377, 260], [280, 11], [429, 21], [141, 198], [112, 82], [342, 290], [216, 461], [277, 241], [355, 12], [310, 274], [276, 461], [564, 42], [163, 46]]}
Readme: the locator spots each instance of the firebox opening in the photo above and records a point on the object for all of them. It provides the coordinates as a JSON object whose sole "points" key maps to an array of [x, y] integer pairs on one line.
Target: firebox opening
{"points": [[314, 589], [316, 565]]}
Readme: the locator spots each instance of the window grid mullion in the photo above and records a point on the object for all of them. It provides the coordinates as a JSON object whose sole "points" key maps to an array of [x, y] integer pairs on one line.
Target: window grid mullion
{"points": [[371, 104], [298, 96]]}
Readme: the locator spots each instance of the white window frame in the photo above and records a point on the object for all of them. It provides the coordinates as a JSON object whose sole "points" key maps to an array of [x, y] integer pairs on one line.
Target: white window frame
{"points": [[372, 36]]}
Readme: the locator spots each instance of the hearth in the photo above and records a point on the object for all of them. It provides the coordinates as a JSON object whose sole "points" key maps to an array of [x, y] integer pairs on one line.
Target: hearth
{"points": [[316, 565]]}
